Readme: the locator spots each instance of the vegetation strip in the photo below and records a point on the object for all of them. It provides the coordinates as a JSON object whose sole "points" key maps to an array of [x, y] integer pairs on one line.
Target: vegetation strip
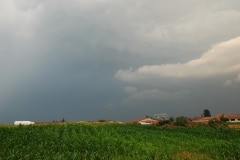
{"points": [[117, 142]]}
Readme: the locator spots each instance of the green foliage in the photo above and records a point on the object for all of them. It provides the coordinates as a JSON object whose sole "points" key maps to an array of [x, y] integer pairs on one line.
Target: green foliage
{"points": [[63, 120], [206, 113], [211, 123], [216, 123], [181, 121], [101, 120], [171, 119], [117, 142], [223, 119]]}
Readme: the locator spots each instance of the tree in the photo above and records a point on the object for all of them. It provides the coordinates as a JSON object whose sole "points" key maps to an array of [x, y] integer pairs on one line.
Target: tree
{"points": [[171, 119], [181, 121], [206, 113]]}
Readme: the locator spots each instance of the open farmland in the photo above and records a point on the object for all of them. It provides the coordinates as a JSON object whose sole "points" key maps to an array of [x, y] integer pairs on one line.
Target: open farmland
{"points": [[117, 142]]}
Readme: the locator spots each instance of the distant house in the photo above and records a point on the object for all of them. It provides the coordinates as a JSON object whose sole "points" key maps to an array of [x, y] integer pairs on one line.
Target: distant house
{"points": [[145, 121], [233, 118], [23, 123]]}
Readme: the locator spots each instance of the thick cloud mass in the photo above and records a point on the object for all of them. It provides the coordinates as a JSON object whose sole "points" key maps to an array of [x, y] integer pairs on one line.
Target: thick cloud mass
{"points": [[222, 59], [62, 59]]}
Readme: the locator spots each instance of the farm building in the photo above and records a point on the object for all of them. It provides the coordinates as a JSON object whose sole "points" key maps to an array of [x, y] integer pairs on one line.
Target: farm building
{"points": [[233, 118], [23, 123], [145, 121], [229, 118]]}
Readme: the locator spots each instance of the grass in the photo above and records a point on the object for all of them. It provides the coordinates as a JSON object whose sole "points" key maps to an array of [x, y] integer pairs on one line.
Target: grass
{"points": [[117, 142]]}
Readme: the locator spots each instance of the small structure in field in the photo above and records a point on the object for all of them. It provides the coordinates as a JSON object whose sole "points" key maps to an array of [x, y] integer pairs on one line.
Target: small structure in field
{"points": [[145, 121], [23, 123]]}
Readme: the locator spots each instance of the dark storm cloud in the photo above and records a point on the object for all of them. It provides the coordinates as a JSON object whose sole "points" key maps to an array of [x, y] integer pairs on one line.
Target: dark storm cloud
{"points": [[60, 59]]}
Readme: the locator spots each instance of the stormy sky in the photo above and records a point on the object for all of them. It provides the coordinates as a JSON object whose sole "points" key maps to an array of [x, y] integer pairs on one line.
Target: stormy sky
{"points": [[116, 59]]}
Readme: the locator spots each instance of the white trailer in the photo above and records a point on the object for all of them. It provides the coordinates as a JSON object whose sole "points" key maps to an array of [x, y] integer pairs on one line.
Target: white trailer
{"points": [[23, 123]]}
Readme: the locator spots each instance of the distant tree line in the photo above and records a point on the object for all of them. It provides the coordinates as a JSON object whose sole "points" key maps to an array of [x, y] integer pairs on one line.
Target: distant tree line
{"points": [[62, 120]]}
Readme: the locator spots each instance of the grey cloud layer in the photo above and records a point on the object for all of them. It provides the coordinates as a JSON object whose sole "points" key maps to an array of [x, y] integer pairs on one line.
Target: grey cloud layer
{"points": [[61, 57]]}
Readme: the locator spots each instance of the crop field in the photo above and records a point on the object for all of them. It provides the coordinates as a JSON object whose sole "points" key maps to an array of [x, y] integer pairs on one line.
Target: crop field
{"points": [[117, 142]]}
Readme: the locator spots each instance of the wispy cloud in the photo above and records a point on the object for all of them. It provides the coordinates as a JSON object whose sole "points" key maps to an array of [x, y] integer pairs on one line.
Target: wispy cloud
{"points": [[156, 94], [234, 81]]}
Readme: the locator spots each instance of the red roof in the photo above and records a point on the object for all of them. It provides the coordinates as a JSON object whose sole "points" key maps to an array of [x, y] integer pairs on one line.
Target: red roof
{"points": [[232, 116], [217, 116], [202, 119]]}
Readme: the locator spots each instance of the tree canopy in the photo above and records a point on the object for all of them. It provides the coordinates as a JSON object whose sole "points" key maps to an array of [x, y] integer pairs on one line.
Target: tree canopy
{"points": [[206, 113]]}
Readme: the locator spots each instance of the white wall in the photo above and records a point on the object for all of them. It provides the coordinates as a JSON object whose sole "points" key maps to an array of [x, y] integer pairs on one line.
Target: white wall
{"points": [[233, 120], [23, 122]]}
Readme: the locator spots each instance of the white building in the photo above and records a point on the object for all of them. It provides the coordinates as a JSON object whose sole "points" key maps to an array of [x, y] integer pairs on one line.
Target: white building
{"points": [[23, 123], [233, 118]]}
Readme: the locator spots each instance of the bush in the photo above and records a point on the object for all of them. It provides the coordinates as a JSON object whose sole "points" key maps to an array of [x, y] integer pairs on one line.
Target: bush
{"points": [[216, 123], [171, 119], [181, 121], [212, 123], [223, 119]]}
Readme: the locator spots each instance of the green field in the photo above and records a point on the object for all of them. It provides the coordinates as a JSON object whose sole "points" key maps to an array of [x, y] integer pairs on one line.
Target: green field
{"points": [[117, 142]]}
